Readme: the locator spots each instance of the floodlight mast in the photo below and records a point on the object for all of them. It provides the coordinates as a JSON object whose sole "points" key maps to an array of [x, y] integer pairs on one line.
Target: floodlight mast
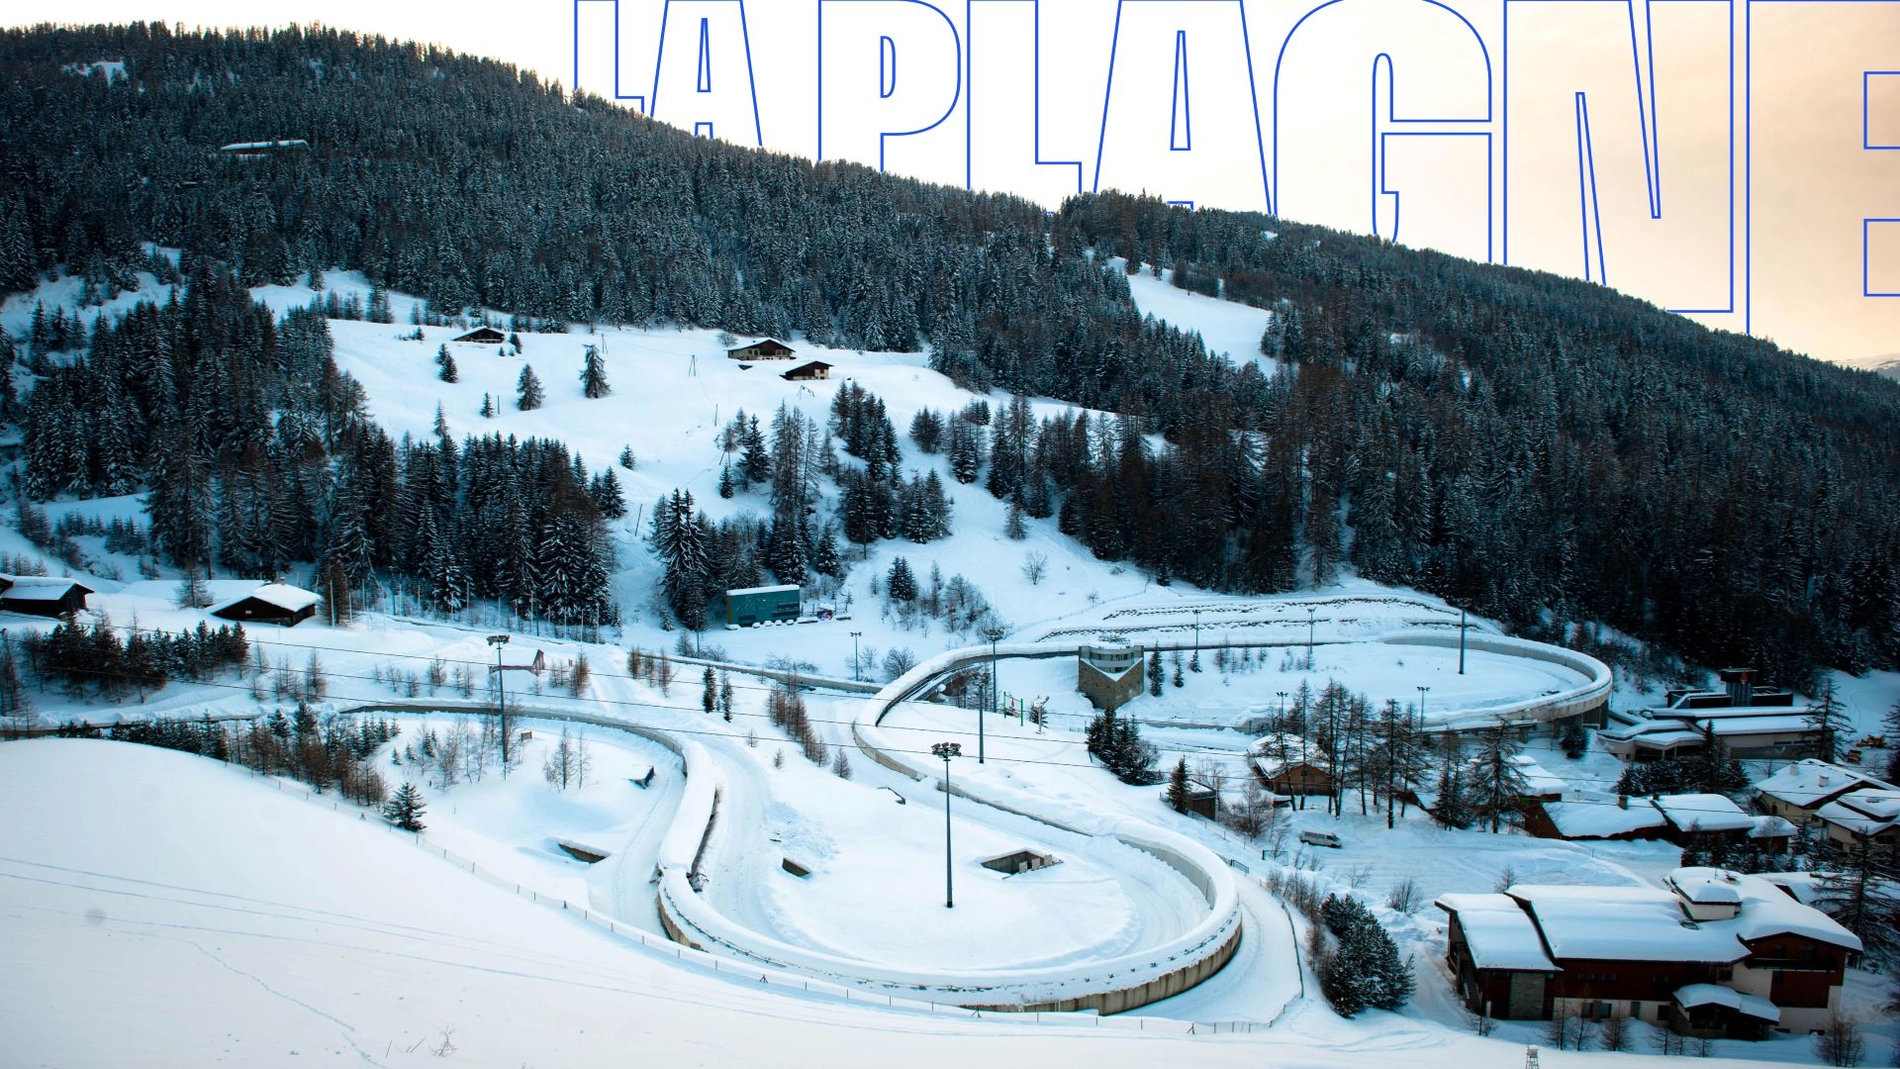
{"points": [[947, 750]]}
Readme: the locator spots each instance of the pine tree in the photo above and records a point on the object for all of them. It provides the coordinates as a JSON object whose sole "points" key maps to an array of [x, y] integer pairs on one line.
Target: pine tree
{"points": [[899, 584], [626, 457], [680, 540], [1891, 723], [1828, 722], [528, 390], [1498, 781], [446, 365], [594, 375], [488, 407], [1177, 793], [709, 691], [406, 808], [1154, 673]]}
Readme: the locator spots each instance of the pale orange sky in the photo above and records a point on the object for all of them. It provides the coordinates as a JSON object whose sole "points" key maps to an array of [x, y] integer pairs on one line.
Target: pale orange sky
{"points": [[1812, 183]]}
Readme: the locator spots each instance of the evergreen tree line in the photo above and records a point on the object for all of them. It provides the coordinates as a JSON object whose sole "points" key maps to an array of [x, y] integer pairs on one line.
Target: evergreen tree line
{"points": [[327, 753], [581, 210], [1516, 441], [701, 560], [1116, 742], [255, 452], [97, 661]]}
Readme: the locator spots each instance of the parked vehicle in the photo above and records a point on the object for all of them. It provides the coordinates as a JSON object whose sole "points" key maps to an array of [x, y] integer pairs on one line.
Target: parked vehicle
{"points": [[1321, 838]]}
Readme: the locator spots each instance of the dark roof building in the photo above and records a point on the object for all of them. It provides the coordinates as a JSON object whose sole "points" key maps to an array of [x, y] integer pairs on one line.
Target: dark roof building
{"points": [[812, 372], [764, 349], [35, 595], [483, 336], [1709, 953], [272, 603]]}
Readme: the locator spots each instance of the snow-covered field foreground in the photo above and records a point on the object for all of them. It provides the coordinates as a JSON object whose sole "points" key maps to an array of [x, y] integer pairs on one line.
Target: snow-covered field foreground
{"points": [[172, 911]]}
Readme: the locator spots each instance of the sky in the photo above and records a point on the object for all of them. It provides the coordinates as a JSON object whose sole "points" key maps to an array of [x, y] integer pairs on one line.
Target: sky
{"points": [[1719, 157]]}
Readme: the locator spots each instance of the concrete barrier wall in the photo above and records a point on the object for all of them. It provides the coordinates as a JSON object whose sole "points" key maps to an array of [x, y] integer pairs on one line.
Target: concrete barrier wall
{"points": [[1586, 697]]}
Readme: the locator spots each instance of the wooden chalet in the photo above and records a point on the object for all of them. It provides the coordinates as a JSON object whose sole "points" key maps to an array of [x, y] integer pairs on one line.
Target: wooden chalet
{"points": [[815, 371], [764, 349], [33, 595], [272, 603], [1292, 777], [483, 336]]}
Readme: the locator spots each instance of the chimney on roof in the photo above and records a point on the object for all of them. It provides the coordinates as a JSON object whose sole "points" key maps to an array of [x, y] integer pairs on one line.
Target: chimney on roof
{"points": [[1741, 685]]}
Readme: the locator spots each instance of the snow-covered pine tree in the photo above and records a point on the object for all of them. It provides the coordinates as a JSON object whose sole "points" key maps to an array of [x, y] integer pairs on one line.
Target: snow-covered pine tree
{"points": [[406, 808], [1177, 793], [1497, 781], [528, 396], [964, 451], [900, 584], [680, 541], [594, 375]]}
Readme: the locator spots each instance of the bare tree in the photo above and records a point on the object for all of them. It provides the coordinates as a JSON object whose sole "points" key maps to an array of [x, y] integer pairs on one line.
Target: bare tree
{"points": [[1840, 1041], [1035, 566], [1614, 1034], [1402, 896]]}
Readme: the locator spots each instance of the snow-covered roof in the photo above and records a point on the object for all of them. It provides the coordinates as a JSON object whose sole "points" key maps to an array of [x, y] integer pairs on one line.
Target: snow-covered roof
{"points": [[1647, 923], [1538, 780], [1709, 889], [279, 595], [1767, 827], [1878, 804], [1498, 931], [286, 597], [1809, 782], [1716, 995], [788, 588], [1703, 812], [1804, 887], [40, 588], [1601, 820], [1273, 766], [1860, 817], [1625, 924], [1767, 910], [263, 146]]}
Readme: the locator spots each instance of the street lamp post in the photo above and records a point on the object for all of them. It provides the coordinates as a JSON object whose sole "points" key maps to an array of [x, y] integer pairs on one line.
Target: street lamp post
{"points": [[501, 697], [1197, 641], [994, 634], [947, 750], [1310, 616], [854, 655], [1422, 691], [1461, 641]]}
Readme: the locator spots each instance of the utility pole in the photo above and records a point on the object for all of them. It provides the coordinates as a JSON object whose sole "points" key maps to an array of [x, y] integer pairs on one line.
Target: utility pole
{"points": [[993, 634], [1310, 611], [947, 750], [855, 676], [1461, 641], [501, 698], [1422, 691]]}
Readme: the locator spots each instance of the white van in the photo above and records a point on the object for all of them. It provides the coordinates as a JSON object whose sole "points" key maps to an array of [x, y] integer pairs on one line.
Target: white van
{"points": [[1321, 838]]}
